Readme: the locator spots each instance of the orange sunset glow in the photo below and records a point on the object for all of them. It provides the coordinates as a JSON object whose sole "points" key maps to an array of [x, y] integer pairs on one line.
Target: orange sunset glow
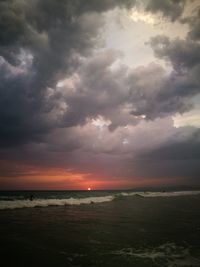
{"points": [[30, 177]]}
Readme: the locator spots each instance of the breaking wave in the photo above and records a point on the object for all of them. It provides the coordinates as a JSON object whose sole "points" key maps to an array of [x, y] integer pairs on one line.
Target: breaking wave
{"points": [[13, 203], [162, 194], [168, 255], [52, 202]]}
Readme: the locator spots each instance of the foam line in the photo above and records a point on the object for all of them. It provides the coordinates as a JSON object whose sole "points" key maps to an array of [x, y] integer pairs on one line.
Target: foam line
{"points": [[52, 202], [19, 203]]}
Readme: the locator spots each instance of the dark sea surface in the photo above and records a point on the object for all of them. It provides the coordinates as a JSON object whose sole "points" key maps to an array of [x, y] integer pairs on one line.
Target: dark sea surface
{"points": [[100, 228]]}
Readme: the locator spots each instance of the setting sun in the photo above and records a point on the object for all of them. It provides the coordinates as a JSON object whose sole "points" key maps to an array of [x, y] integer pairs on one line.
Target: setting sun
{"points": [[89, 189]]}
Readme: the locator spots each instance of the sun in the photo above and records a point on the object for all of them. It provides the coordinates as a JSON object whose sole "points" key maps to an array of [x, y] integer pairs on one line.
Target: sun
{"points": [[89, 189]]}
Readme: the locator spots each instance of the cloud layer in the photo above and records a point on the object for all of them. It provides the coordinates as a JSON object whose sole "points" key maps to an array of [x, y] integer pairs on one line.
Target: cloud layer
{"points": [[67, 101]]}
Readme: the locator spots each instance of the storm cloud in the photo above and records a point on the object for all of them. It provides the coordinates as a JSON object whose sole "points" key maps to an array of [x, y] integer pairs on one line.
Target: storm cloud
{"points": [[67, 100], [46, 38], [169, 8]]}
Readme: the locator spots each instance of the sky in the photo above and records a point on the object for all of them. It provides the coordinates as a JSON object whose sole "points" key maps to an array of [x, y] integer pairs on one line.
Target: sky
{"points": [[100, 94]]}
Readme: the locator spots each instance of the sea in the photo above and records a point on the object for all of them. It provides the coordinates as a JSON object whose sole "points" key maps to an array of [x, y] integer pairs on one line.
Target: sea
{"points": [[100, 228]]}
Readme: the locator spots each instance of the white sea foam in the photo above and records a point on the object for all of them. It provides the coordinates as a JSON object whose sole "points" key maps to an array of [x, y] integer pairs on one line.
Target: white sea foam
{"points": [[169, 254], [52, 202], [161, 194], [8, 203]]}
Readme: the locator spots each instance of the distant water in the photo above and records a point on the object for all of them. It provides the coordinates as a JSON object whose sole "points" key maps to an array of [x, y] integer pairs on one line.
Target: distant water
{"points": [[100, 229], [31, 199]]}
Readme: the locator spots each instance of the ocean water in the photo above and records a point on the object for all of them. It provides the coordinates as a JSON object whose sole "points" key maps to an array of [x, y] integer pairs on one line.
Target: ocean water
{"points": [[100, 228], [31, 199]]}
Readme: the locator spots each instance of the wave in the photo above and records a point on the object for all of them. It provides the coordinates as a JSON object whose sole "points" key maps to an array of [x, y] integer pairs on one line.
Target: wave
{"points": [[11, 198], [163, 194], [16, 204], [7, 203]]}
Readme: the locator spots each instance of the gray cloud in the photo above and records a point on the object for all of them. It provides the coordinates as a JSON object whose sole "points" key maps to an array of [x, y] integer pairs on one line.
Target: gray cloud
{"points": [[185, 146], [177, 158], [180, 53], [195, 32], [169, 8], [54, 34], [193, 20], [155, 151], [182, 83], [65, 105]]}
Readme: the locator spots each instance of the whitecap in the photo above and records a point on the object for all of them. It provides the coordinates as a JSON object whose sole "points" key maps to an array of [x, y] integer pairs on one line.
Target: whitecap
{"points": [[52, 202]]}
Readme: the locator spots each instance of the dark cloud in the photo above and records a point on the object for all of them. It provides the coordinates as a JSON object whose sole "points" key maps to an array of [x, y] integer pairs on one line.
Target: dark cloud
{"points": [[65, 105], [54, 34], [175, 158], [150, 154], [169, 8], [175, 89], [193, 20], [182, 54], [48, 39], [160, 94], [102, 93], [182, 148], [195, 31]]}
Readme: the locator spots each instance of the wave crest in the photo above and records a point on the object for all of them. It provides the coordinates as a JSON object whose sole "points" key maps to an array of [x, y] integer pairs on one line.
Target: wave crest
{"points": [[52, 202], [8, 203]]}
